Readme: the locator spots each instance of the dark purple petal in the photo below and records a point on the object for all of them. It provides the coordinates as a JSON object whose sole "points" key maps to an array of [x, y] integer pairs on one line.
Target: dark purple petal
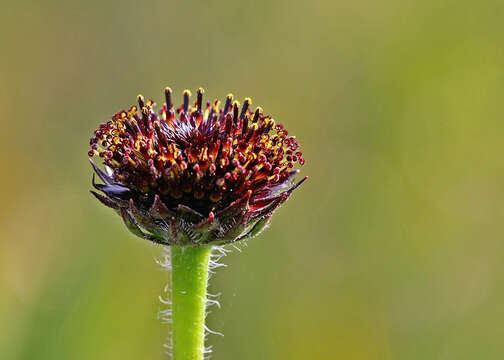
{"points": [[105, 200], [104, 177]]}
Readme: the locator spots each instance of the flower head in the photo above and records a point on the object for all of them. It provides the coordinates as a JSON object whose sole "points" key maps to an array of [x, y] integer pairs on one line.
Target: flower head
{"points": [[195, 174]]}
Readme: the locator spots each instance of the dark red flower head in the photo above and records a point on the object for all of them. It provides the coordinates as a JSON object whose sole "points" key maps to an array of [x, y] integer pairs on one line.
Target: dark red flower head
{"points": [[197, 174]]}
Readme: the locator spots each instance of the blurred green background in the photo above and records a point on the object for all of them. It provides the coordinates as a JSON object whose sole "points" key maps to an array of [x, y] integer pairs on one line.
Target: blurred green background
{"points": [[392, 249]]}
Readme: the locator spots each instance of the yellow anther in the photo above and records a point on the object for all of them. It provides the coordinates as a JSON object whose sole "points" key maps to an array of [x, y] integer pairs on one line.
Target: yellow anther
{"points": [[203, 154]]}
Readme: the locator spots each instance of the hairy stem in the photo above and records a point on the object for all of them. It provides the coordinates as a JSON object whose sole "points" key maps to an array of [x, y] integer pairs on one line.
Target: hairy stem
{"points": [[189, 290]]}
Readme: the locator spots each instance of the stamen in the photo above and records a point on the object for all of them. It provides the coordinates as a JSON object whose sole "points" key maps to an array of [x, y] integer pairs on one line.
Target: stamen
{"points": [[245, 125], [236, 104], [229, 123], [257, 113], [168, 96], [246, 104], [229, 98], [200, 98], [187, 94], [141, 101]]}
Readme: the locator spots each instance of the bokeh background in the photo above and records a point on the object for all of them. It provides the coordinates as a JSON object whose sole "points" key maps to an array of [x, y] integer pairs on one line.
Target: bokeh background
{"points": [[392, 249]]}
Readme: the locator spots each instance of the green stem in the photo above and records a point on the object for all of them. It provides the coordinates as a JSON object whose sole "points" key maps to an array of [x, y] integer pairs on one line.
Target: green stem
{"points": [[189, 289]]}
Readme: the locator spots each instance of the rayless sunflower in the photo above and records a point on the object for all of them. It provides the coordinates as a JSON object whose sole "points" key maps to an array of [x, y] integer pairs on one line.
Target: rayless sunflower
{"points": [[194, 175]]}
